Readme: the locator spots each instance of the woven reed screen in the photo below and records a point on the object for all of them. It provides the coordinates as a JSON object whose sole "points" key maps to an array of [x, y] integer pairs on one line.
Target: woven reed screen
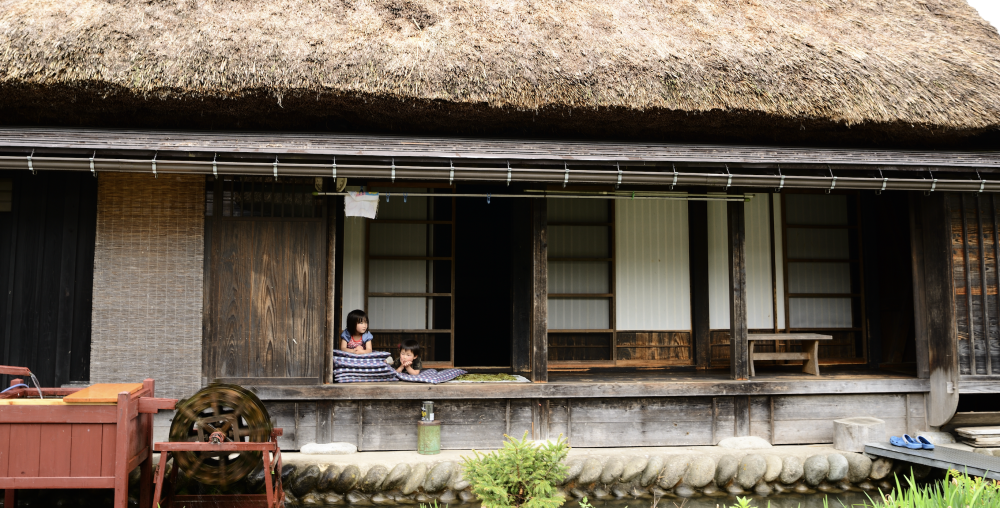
{"points": [[148, 276]]}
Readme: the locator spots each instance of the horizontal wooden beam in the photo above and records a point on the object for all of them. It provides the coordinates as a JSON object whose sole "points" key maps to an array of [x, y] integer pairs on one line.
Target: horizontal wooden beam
{"points": [[781, 356], [800, 385]]}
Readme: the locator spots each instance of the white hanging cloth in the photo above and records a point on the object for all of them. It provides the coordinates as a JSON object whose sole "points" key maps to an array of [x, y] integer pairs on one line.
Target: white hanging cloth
{"points": [[361, 204]]}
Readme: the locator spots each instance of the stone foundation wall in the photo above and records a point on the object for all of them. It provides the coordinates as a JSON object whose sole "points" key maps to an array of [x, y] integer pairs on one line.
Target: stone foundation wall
{"points": [[598, 477]]}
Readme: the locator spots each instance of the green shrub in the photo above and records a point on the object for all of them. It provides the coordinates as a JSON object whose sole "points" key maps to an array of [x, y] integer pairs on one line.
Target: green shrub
{"points": [[522, 474]]}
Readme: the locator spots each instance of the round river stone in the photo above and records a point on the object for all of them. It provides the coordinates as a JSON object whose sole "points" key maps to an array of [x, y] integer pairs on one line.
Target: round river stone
{"points": [[773, 468], [396, 476], [305, 481], [815, 469], [700, 472], [726, 470], [652, 470], [612, 470], [373, 479], [415, 480], [591, 471], [838, 467], [633, 468], [750, 470], [791, 470], [438, 477], [673, 471], [858, 467]]}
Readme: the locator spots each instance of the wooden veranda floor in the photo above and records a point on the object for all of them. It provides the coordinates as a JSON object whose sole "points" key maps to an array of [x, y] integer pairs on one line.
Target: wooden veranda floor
{"points": [[621, 384]]}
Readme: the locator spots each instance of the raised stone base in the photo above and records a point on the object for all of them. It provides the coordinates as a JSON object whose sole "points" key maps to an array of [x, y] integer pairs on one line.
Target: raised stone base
{"points": [[685, 473]]}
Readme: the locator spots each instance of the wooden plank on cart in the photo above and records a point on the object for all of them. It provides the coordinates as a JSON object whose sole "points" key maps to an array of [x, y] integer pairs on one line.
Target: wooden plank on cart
{"points": [[101, 393]]}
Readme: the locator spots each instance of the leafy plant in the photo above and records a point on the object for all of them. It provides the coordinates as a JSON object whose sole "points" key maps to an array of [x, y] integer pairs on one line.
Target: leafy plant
{"points": [[956, 490], [522, 474]]}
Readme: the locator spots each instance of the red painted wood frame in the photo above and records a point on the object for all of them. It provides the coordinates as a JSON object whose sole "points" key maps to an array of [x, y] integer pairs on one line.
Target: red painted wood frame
{"points": [[274, 496], [79, 446]]}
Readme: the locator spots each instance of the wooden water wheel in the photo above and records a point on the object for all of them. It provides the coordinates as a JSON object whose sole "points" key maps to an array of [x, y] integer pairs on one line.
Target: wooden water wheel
{"points": [[220, 412]]}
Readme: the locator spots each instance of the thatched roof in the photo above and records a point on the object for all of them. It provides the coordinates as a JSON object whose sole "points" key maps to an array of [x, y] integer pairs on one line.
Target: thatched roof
{"points": [[931, 66]]}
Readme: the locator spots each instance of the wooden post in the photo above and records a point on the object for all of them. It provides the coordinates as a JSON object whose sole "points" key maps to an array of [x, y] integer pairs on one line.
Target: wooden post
{"points": [[121, 452], [698, 259], [521, 287], [146, 467], [939, 312], [741, 415], [738, 349], [919, 297], [330, 341], [539, 292]]}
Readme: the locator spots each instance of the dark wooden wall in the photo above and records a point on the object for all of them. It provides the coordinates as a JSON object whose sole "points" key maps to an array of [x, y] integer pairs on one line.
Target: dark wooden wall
{"points": [[47, 275], [974, 219]]}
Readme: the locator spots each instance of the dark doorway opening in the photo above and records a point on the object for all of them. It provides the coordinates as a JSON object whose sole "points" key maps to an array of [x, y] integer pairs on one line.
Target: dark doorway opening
{"points": [[483, 279]]}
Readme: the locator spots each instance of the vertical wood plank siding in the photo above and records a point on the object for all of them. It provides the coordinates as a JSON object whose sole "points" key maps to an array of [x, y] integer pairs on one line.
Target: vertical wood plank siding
{"points": [[597, 422], [760, 298], [148, 276], [653, 289], [974, 274], [47, 274]]}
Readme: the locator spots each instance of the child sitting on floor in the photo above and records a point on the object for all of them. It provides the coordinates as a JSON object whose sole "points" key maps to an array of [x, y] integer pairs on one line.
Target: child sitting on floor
{"points": [[409, 358], [356, 338]]}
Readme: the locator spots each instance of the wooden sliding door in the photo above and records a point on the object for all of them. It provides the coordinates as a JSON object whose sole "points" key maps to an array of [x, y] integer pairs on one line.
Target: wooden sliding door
{"points": [[267, 258]]}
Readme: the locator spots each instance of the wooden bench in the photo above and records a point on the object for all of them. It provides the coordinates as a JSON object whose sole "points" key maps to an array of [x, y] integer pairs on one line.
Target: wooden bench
{"points": [[809, 353]]}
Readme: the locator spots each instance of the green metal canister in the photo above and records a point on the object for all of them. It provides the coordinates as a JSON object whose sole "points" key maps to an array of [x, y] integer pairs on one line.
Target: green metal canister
{"points": [[429, 437]]}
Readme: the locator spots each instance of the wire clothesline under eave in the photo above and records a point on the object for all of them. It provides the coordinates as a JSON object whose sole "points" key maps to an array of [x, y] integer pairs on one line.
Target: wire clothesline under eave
{"points": [[561, 195]]}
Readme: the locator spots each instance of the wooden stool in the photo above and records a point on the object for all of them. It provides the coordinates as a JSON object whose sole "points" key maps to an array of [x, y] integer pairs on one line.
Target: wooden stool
{"points": [[809, 353]]}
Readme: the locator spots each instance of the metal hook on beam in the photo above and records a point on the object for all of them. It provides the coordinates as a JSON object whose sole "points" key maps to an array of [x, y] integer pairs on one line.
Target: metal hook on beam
{"points": [[566, 178], [275, 167], [619, 175], [334, 171], [884, 182], [30, 167], [508, 173], [675, 177], [154, 164], [833, 182], [451, 174], [393, 170], [781, 184], [93, 172], [730, 181], [215, 167], [982, 183]]}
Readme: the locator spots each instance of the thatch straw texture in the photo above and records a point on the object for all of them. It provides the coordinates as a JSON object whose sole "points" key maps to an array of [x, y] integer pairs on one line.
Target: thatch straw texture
{"points": [[148, 290], [932, 64]]}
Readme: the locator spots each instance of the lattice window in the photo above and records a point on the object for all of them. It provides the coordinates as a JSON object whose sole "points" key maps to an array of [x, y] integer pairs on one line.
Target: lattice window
{"points": [[261, 196]]}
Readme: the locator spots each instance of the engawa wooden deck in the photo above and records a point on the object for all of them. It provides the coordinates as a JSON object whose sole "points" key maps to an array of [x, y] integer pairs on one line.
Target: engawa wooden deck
{"points": [[609, 384], [941, 457]]}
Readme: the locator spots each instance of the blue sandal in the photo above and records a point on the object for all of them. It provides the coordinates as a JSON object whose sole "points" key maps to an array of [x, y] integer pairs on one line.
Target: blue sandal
{"points": [[897, 441], [911, 443], [925, 443]]}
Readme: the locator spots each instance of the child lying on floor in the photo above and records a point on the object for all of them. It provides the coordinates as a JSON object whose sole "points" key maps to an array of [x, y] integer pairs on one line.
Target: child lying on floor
{"points": [[409, 358]]}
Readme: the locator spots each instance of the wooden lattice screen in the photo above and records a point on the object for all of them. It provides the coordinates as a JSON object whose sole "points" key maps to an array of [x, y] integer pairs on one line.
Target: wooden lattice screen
{"points": [[974, 245]]}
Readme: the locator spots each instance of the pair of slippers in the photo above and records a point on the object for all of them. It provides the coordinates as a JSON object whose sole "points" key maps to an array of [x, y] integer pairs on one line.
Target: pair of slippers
{"points": [[908, 441]]}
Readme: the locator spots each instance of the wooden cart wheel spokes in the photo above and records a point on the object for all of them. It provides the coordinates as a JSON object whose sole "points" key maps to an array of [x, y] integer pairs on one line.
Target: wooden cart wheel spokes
{"points": [[235, 412]]}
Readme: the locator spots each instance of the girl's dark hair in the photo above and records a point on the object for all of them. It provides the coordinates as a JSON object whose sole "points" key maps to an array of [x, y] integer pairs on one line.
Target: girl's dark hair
{"points": [[411, 346], [353, 318]]}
